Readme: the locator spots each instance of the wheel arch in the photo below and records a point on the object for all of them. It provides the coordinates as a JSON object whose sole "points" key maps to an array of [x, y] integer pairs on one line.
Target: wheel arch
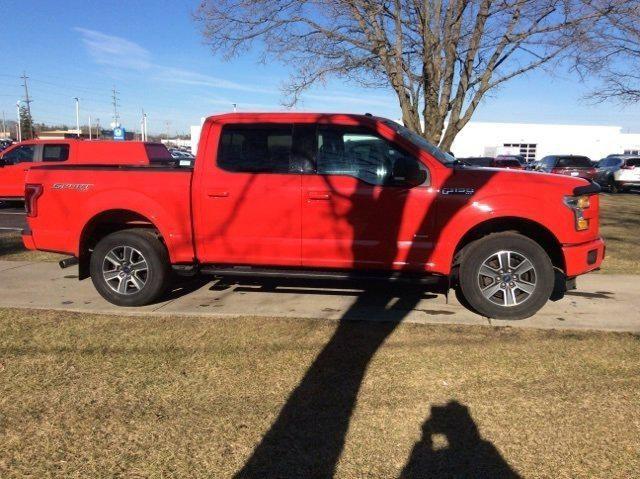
{"points": [[103, 224], [527, 227]]}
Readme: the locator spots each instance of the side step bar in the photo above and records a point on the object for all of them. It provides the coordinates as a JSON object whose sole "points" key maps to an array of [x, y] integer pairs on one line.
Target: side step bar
{"points": [[392, 277]]}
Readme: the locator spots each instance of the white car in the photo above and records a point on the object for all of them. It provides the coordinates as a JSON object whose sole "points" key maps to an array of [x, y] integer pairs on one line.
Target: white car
{"points": [[628, 176]]}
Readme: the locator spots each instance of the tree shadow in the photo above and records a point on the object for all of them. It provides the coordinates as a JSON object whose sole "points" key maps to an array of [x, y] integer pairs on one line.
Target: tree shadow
{"points": [[308, 435], [451, 446]]}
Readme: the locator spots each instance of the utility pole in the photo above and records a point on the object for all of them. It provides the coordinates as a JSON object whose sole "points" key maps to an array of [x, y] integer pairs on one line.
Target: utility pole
{"points": [[90, 136], [4, 125], [146, 132], [27, 101], [97, 128], [77, 115], [167, 123], [19, 131], [114, 102]]}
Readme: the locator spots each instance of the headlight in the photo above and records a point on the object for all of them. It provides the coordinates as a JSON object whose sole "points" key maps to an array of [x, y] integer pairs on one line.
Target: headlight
{"points": [[578, 204]]}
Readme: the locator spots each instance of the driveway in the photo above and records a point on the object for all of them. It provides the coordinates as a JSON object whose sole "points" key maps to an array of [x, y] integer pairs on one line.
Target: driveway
{"points": [[603, 302]]}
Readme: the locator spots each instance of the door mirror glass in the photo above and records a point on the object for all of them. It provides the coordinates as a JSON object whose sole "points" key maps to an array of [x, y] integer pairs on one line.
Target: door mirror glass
{"points": [[407, 171]]}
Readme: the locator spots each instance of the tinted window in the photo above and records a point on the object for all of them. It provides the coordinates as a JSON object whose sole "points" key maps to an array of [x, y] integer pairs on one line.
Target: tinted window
{"points": [[157, 153], [55, 152], [633, 162], [363, 155], [256, 149], [608, 162], [573, 162], [505, 163], [421, 143], [20, 154]]}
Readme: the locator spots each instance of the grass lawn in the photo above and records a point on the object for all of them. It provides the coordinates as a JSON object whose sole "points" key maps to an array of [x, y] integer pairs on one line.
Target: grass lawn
{"points": [[620, 226], [620, 217], [104, 396]]}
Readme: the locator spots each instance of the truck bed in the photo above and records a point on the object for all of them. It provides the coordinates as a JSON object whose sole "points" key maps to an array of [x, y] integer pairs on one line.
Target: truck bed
{"points": [[73, 195]]}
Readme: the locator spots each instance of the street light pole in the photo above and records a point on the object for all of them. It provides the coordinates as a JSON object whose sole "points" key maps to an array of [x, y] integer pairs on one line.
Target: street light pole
{"points": [[90, 127], [19, 132], [77, 115]]}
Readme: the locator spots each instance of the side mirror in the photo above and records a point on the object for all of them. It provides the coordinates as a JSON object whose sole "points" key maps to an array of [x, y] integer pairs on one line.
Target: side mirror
{"points": [[408, 171]]}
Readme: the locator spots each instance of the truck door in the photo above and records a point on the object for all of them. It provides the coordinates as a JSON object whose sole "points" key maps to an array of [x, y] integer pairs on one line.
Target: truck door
{"points": [[248, 205], [16, 163], [369, 205]]}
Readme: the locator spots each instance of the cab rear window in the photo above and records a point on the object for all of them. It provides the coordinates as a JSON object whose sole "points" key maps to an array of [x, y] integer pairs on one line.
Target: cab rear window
{"points": [[52, 153], [157, 153], [573, 162]]}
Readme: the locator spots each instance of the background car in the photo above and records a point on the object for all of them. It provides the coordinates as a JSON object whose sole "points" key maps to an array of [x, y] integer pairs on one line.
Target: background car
{"points": [[618, 173], [569, 165], [508, 162], [484, 161]]}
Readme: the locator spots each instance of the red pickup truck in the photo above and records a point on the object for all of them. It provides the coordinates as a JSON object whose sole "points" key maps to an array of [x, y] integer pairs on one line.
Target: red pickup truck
{"points": [[319, 195], [18, 158]]}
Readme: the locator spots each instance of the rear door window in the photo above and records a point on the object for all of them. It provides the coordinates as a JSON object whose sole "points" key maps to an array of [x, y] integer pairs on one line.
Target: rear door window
{"points": [[633, 162], [257, 149], [20, 154], [53, 153]]}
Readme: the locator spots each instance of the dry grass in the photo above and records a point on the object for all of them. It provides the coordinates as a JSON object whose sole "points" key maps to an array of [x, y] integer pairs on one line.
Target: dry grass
{"points": [[620, 226], [103, 396]]}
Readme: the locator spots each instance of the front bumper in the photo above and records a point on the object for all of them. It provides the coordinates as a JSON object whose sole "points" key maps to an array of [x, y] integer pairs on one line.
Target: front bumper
{"points": [[584, 257]]}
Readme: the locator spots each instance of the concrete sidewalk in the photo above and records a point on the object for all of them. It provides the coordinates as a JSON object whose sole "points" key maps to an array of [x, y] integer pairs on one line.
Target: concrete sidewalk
{"points": [[604, 302]]}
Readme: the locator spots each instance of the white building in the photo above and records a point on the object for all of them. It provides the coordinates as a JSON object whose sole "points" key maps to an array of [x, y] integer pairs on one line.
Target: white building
{"points": [[535, 141]]}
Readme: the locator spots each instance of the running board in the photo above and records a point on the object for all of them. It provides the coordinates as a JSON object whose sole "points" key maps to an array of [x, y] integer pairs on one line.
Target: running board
{"points": [[391, 277]]}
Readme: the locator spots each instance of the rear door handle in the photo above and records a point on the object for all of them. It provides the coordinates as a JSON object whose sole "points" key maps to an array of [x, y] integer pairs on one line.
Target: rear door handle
{"points": [[319, 195], [217, 194]]}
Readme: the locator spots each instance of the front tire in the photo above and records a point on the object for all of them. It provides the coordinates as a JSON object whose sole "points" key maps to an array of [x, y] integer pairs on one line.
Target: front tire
{"points": [[130, 267], [505, 276]]}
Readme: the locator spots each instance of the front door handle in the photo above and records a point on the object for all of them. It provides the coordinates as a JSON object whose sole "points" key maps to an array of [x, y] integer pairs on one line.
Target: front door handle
{"points": [[217, 194], [319, 195]]}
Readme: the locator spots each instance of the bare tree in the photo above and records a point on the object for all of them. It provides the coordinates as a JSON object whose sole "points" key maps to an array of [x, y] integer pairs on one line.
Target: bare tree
{"points": [[610, 51], [440, 57]]}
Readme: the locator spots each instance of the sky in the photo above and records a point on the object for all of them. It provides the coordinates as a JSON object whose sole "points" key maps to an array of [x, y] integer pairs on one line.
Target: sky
{"points": [[153, 54]]}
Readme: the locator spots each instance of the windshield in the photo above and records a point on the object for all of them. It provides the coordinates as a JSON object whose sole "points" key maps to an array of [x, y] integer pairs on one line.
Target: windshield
{"points": [[421, 143]]}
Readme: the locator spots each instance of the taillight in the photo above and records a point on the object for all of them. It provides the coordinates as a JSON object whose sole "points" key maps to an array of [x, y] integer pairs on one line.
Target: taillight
{"points": [[32, 192]]}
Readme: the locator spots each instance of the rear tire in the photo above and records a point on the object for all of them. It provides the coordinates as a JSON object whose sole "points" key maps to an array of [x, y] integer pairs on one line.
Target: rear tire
{"points": [[505, 276], [130, 267], [614, 187]]}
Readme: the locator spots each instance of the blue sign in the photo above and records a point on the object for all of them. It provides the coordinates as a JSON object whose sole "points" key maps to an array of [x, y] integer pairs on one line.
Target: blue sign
{"points": [[118, 133]]}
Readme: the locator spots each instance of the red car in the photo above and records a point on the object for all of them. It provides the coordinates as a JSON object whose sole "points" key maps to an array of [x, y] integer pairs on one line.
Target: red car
{"points": [[18, 158], [569, 165], [319, 195], [508, 162]]}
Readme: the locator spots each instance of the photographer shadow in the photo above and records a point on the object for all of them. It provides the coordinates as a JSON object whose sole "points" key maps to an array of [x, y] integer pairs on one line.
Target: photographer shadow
{"points": [[451, 446]]}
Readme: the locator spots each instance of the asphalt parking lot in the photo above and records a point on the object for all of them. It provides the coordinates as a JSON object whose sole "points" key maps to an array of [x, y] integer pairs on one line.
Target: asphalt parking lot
{"points": [[12, 217]]}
